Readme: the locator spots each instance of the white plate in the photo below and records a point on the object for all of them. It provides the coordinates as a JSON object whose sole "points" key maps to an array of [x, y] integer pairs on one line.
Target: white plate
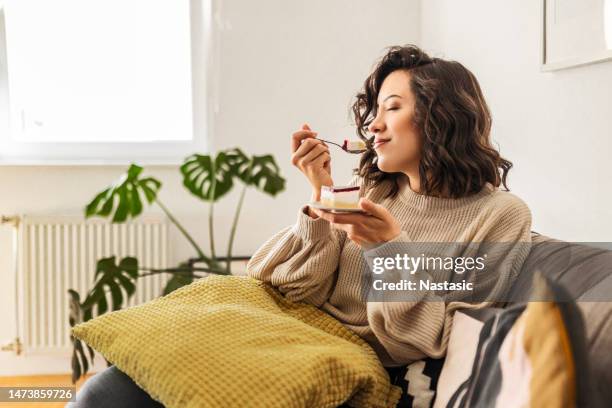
{"points": [[320, 206]]}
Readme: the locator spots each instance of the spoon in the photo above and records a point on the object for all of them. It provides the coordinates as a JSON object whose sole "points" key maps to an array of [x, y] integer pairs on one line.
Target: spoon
{"points": [[345, 147]]}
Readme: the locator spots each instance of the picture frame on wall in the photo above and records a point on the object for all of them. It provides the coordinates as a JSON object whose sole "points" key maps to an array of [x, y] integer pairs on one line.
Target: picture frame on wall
{"points": [[575, 33]]}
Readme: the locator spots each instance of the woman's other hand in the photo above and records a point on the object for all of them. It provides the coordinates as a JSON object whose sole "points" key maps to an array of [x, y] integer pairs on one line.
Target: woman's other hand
{"points": [[311, 156], [376, 226]]}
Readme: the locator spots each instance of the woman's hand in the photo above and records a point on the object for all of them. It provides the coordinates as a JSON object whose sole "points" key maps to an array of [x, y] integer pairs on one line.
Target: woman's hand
{"points": [[312, 157], [375, 227]]}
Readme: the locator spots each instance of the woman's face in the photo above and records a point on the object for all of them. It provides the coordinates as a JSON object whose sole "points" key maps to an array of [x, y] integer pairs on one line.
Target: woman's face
{"points": [[396, 140]]}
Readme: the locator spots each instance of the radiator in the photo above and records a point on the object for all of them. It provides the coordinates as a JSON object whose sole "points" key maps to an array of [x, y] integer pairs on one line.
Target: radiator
{"points": [[55, 254]]}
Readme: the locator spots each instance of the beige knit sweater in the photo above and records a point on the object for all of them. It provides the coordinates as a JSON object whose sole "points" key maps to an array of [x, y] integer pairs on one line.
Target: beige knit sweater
{"points": [[313, 262]]}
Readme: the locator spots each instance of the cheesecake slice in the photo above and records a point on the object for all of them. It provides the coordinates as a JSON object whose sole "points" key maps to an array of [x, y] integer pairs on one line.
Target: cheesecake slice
{"points": [[354, 145], [340, 196]]}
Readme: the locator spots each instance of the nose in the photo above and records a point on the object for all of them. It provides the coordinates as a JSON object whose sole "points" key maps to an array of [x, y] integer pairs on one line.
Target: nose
{"points": [[376, 126]]}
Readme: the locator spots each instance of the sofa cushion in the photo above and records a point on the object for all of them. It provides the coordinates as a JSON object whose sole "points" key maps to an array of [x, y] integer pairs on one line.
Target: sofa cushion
{"points": [[419, 380], [461, 350], [227, 341], [598, 322], [530, 355], [585, 271]]}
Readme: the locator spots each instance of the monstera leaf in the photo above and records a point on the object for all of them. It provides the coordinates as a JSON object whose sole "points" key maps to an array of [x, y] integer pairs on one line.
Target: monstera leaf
{"points": [[265, 175], [211, 179], [240, 163], [202, 176], [79, 362], [123, 198], [261, 172], [112, 277]]}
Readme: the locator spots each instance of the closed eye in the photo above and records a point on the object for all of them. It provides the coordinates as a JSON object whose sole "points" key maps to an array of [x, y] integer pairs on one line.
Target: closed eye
{"points": [[390, 109]]}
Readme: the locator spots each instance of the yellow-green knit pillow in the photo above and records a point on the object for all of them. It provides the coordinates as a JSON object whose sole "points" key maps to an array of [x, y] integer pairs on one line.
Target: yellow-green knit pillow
{"points": [[236, 342]]}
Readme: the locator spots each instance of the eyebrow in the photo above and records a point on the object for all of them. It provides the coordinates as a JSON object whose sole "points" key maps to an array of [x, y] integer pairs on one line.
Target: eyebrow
{"points": [[391, 96]]}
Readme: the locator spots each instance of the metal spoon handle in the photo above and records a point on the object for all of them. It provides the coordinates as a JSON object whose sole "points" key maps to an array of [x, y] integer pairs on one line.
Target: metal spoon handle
{"points": [[334, 143]]}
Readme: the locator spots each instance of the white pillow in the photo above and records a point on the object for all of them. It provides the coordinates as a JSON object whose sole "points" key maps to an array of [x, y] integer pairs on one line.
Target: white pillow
{"points": [[460, 355]]}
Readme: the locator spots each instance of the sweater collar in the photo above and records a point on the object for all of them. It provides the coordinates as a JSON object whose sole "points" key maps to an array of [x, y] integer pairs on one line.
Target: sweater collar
{"points": [[425, 202]]}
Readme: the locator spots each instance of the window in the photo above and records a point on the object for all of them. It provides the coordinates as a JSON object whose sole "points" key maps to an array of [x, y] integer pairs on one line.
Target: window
{"points": [[103, 80], [608, 23], [4, 102]]}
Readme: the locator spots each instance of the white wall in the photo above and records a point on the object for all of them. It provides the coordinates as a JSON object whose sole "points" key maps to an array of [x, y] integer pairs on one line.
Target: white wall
{"points": [[279, 63], [556, 127]]}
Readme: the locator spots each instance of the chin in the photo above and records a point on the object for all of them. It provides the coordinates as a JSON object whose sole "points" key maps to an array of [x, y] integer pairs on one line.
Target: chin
{"points": [[387, 167], [396, 166]]}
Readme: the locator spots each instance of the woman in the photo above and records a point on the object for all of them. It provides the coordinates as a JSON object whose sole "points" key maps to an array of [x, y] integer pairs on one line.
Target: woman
{"points": [[430, 175]]}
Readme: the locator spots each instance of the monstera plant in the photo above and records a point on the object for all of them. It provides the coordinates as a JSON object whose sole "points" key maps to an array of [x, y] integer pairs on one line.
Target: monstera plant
{"points": [[208, 178]]}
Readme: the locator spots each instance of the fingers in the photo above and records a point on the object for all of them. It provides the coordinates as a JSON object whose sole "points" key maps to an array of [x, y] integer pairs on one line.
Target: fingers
{"points": [[322, 160], [307, 152], [317, 155], [372, 208], [352, 219], [297, 137], [353, 224]]}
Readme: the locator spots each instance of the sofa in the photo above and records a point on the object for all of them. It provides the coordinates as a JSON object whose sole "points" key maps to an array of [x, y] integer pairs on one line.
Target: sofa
{"points": [[585, 272]]}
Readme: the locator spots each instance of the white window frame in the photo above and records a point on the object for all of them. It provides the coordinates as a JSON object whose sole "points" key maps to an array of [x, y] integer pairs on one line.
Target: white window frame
{"points": [[13, 152]]}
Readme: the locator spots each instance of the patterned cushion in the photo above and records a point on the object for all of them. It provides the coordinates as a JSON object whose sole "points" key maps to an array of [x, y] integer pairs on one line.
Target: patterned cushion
{"points": [[533, 355], [418, 382]]}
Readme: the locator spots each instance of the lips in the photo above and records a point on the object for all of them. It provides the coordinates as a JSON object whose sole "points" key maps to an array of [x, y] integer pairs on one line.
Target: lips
{"points": [[380, 142]]}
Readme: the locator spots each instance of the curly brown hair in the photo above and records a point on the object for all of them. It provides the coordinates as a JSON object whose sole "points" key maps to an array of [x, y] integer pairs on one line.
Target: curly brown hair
{"points": [[453, 119]]}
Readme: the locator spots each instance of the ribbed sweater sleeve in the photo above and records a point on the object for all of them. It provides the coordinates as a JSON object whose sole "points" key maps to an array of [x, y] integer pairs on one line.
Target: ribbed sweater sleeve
{"points": [[300, 260], [412, 330]]}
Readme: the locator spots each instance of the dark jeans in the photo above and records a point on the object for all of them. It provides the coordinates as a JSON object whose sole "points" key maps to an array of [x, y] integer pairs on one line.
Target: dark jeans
{"points": [[112, 388]]}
